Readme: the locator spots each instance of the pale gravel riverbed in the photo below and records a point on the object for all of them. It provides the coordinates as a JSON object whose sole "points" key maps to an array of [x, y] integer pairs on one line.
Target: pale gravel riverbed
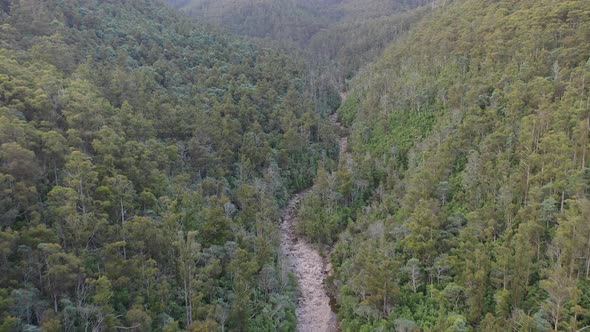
{"points": [[313, 305], [314, 313]]}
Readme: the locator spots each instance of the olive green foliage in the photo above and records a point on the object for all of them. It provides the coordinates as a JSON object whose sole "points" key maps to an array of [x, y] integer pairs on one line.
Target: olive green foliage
{"points": [[470, 144], [144, 161], [288, 21], [143, 164], [334, 38]]}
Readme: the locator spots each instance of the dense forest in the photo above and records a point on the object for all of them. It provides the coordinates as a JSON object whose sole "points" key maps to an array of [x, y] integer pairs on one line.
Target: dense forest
{"points": [[467, 205], [333, 38], [143, 164], [434, 152]]}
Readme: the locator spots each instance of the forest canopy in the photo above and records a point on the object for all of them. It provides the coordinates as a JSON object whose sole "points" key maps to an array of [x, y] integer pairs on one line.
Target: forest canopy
{"points": [[146, 158], [467, 206], [143, 163]]}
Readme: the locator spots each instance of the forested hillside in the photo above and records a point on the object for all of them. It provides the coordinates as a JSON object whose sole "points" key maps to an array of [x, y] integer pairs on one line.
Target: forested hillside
{"points": [[290, 21], [334, 38], [287, 21], [146, 159], [143, 164], [467, 206]]}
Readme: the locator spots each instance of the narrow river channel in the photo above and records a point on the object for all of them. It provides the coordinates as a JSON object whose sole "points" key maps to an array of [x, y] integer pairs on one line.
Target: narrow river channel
{"points": [[314, 306]]}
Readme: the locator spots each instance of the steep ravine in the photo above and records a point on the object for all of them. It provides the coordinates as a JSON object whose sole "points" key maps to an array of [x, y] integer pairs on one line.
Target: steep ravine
{"points": [[314, 312], [313, 305]]}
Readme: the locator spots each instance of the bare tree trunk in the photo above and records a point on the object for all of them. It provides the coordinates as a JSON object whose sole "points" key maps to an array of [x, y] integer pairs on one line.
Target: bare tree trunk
{"points": [[81, 191], [562, 201], [384, 297], [123, 227], [187, 304], [557, 317]]}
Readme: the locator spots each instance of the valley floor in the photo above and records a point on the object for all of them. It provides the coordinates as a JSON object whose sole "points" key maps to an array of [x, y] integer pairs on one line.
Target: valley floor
{"points": [[314, 312], [313, 306]]}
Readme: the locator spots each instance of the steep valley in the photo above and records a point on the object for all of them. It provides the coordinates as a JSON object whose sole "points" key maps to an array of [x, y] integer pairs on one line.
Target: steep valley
{"points": [[294, 165]]}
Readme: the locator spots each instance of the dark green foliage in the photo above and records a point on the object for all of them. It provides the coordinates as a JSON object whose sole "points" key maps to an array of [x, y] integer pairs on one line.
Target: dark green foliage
{"points": [[334, 38], [144, 161], [143, 164], [471, 137]]}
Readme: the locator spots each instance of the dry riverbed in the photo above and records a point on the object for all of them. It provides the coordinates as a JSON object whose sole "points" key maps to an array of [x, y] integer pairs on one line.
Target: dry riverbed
{"points": [[313, 306], [314, 313]]}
